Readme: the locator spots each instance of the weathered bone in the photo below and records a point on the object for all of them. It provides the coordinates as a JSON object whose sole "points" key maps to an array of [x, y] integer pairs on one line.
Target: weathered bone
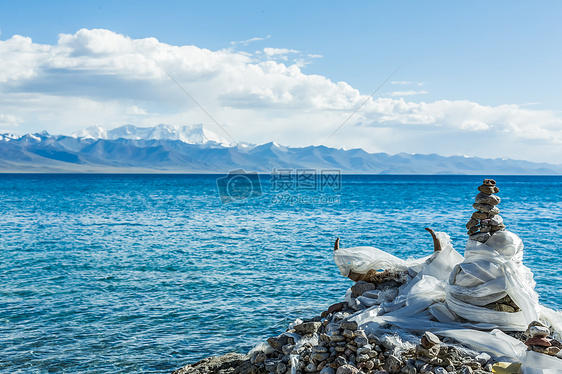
{"points": [[436, 243]]}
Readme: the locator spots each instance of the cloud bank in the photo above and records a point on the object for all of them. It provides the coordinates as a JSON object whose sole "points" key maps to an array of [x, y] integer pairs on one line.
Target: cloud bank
{"points": [[99, 77]]}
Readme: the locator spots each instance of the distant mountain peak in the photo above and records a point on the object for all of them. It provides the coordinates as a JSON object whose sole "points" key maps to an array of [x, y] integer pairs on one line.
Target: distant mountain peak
{"points": [[195, 134]]}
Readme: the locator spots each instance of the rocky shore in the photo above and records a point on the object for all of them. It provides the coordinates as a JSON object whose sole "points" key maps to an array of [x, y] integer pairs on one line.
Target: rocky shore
{"points": [[330, 344], [481, 308]]}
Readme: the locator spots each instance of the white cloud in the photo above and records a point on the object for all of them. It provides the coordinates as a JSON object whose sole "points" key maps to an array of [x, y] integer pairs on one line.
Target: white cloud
{"points": [[248, 41], [98, 77], [9, 120], [133, 109], [407, 93]]}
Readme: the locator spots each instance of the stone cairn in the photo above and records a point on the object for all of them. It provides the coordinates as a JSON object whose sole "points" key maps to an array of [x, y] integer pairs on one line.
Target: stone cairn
{"points": [[486, 220], [538, 339]]}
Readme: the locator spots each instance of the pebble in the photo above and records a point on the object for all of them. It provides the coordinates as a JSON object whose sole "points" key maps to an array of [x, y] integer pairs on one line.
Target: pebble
{"points": [[393, 364], [538, 331], [483, 358], [362, 358], [473, 222], [287, 349], [488, 189], [480, 215], [310, 368], [429, 339], [543, 342], [360, 333], [466, 370], [440, 370], [281, 368], [349, 325], [348, 334], [496, 220], [480, 237], [364, 349], [485, 228], [319, 349], [483, 198], [473, 230], [487, 208], [327, 370], [347, 369], [361, 341], [489, 182], [307, 328], [341, 361], [337, 338]]}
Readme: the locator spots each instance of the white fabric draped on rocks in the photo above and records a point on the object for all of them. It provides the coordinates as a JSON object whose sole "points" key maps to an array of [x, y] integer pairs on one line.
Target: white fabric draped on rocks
{"points": [[446, 294]]}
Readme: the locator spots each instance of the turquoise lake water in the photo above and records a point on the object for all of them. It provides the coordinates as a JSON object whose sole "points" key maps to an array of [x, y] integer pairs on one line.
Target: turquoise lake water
{"points": [[146, 273]]}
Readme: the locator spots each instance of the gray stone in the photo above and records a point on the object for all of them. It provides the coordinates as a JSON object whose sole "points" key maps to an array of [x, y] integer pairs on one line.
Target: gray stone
{"points": [[496, 220], [281, 368], [348, 334], [473, 229], [480, 215], [360, 341], [319, 349], [487, 208], [483, 198], [409, 369], [429, 339], [485, 228], [480, 237], [287, 349], [483, 358], [259, 357], [351, 347], [307, 328], [364, 349], [360, 333], [393, 364], [473, 222], [359, 288], [340, 360], [489, 182], [350, 325], [337, 338], [278, 342], [271, 365], [538, 331], [327, 370], [347, 369], [466, 370], [317, 357], [362, 358], [439, 370], [310, 368], [488, 189]]}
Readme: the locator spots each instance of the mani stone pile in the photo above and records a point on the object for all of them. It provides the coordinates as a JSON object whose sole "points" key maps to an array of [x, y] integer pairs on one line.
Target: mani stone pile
{"points": [[486, 220], [331, 344]]}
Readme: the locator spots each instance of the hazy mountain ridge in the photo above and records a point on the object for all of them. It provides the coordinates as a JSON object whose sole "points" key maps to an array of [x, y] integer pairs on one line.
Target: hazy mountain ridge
{"points": [[160, 149]]}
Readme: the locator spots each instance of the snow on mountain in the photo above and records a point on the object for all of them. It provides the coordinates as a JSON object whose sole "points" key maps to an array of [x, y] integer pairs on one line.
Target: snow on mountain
{"points": [[7, 137], [195, 134]]}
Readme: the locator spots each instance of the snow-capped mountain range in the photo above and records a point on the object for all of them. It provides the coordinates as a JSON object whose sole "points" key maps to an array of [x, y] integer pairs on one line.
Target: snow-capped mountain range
{"points": [[195, 134], [194, 149]]}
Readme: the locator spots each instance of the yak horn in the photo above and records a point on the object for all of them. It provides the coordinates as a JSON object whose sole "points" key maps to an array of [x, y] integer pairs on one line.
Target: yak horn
{"points": [[436, 243]]}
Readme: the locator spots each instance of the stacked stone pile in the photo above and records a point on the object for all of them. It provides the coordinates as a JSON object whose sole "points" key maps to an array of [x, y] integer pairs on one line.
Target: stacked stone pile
{"points": [[334, 345], [538, 339], [486, 220]]}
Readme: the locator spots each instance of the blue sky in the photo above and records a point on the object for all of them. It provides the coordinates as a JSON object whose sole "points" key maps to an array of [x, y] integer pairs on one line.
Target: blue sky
{"points": [[478, 77]]}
